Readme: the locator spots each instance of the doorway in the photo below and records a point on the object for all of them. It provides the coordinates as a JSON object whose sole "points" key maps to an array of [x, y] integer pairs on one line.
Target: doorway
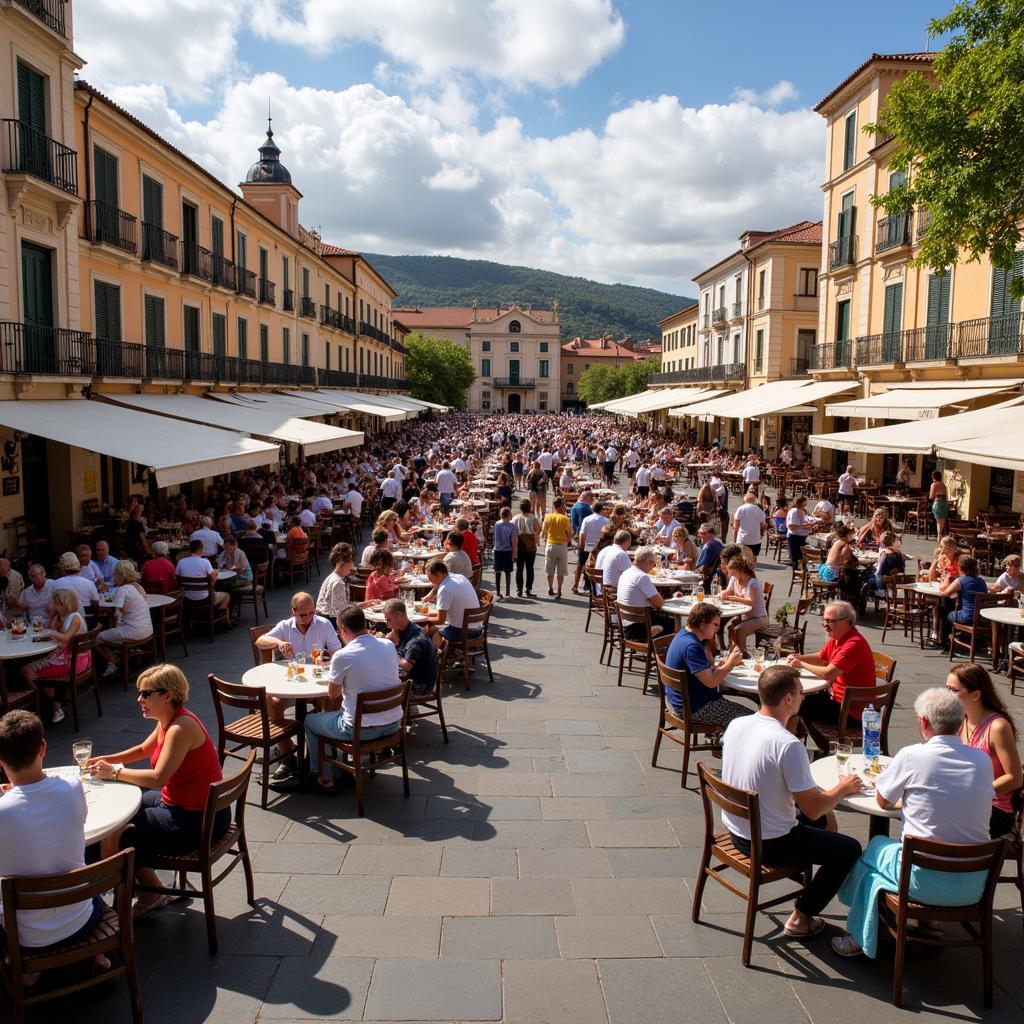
{"points": [[515, 403], [36, 483], [37, 355]]}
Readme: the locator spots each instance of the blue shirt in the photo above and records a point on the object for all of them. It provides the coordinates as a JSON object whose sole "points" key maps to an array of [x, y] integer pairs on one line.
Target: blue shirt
{"points": [[687, 653], [577, 514], [503, 534], [970, 587], [710, 555]]}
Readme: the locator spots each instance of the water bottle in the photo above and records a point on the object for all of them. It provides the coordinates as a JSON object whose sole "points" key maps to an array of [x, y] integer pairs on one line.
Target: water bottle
{"points": [[871, 724]]}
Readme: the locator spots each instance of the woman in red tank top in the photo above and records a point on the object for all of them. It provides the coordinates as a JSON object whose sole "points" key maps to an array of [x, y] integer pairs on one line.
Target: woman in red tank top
{"points": [[989, 726], [183, 764]]}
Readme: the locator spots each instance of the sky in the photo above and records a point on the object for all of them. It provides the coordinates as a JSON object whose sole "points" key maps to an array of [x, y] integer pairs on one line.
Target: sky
{"points": [[627, 141]]}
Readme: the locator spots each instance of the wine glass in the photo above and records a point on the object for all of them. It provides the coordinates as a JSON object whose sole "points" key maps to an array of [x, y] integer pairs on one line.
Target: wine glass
{"points": [[81, 751], [843, 753]]}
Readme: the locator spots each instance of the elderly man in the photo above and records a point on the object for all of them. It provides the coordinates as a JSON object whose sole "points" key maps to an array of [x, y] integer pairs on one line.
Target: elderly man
{"points": [[455, 557], [73, 580], [293, 638], [446, 481], [664, 526], [193, 567], [636, 589], [709, 557], [749, 523], [417, 655], [614, 560], [159, 570], [366, 664], [751, 474], [36, 596], [89, 569], [761, 755], [845, 660], [105, 561], [13, 584], [211, 540], [455, 595]]}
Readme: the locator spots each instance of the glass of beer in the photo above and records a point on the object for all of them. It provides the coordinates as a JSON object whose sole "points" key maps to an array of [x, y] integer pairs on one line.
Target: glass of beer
{"points": [[315, 653]]}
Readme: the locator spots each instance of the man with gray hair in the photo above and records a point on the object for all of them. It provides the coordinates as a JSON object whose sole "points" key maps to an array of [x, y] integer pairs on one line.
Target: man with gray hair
{"points": [[636, 589], [212, 540], [945, 789], [159, 569]]}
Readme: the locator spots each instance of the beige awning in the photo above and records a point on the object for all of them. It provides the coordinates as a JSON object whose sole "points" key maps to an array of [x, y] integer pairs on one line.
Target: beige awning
{"points": [[350, 401], [652, 401], [918, 403], [176, 451], [269, 419], [768, 399]]}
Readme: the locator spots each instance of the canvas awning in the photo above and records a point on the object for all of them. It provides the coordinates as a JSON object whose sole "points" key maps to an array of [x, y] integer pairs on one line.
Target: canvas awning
{"points": [[271, 420], [349, 401], [1000, 447], [613, 403], [652, 401], [177, 452], [766, 400], [918, 402]]}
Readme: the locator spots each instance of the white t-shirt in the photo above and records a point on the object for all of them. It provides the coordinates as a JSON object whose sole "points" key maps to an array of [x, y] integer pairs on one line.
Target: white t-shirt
{"points": [[85, 589], [635, 587], [796, 522], [455, 596], [194, 567], [390, 488], [545, 459], [632, 458], [611, 453], [760, 754], [750, 519], [320, 634], [751, 474], [824, 509], [643, 477], [36, 600], [212, 540], [612, 562], [945, 788], [91, 571], [364, 665], [321, 503], [590, 530], [847, 484], [354, 500], [307, 517], [663, 531], [42, 832], [446, 481]]}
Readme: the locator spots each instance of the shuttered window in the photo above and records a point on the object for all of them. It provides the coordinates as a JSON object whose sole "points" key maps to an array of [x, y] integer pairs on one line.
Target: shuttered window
{"points": [[1005, 310], [243, 338], [286, 345], [843, 320], [191, 328], [217, 236], [108, 311], [264, 343], [152, 202], [105, 176], [892, 322], [220, 334], [305, 350], [31, 98], [937, 333], [156, 332], [241, 257], [850, 140], [759, 349]]}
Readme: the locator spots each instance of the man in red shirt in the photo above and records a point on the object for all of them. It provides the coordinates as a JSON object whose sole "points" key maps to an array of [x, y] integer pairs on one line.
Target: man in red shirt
{"points": [[845, 660], [160, 569], [469, 542]]}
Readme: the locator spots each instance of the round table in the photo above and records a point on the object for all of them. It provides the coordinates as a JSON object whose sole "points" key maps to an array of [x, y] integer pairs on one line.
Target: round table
{"points": [[26, 647], [152, 601], [417, 554], [225, 574], [682, 607], [377, 614], [415, 583], [1004, 616], [743, 679], [109, 805], [825, 773]]}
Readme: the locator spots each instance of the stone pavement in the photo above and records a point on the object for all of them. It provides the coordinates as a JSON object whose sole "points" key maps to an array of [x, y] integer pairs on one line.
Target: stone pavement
{"points": [[540, 871]]}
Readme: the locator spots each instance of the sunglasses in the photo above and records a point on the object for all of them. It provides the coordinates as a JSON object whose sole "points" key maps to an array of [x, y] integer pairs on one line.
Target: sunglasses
{"points": [[146, 694]]}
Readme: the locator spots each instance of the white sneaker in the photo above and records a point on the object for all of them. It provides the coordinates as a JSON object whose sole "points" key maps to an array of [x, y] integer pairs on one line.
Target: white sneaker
{"points": [[110, 670], [58, 716]]}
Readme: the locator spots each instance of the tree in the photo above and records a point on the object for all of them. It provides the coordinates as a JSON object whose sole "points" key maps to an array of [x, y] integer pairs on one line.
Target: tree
{"points": [[438, 370], [961, 141], [602, 383]]}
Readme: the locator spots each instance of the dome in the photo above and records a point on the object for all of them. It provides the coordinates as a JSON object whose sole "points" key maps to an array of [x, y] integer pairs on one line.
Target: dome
{"points": [[269, 170]]}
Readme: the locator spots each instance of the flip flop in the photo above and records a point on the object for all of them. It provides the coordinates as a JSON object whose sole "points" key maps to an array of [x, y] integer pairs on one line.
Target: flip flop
{"points": [[816, 927], [142, 909], [844, 946]]}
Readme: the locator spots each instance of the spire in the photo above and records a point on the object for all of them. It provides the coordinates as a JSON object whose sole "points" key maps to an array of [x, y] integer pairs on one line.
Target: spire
{"points": [[269, 169]]}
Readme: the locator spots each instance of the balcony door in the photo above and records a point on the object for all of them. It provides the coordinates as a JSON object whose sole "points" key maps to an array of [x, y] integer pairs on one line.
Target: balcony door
{"points": [[1006, 324], [189, 238], [107, 314], [34, 144], [190, 328], [104, 166], [892, 323], [37, 355], [936, 345], [513, 371]]}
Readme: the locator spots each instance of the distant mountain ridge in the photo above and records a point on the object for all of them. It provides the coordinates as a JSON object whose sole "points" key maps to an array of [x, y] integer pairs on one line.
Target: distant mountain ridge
{"points": [[587, 308]]}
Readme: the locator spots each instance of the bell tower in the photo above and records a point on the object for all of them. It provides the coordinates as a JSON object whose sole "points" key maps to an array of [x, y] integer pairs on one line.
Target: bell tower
{"points": [[268, 187]]}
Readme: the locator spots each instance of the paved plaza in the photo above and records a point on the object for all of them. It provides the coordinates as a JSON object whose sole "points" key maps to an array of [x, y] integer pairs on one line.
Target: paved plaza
{"points": [[541, 870]]}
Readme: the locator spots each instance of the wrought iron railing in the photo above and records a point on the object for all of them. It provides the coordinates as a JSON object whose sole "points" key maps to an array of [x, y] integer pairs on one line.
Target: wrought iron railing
{"points": [[267, 292], [247, 282], [842, 252], [159, 246], [225, 273], [196, 261], [835, 355], [893, 232], [307, 307], [509, 382], [109, 225], [288, 300], [49, 12], [700, 374], [27, 151]]}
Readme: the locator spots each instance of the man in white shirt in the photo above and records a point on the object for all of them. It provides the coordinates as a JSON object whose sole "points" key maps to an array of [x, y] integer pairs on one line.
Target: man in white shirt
{"points": [[643, 481], [321, 503], [366, 664], [212, 540], [760, 754], [632, 461], [590, 534], [458, 464], [614, 560], [546, 461], [637, 589], [456, 595], [847, 488], [824, 510], [749, 523], [390, 492], [89, 569], [307, 517], [354, 501], [195, 567], [751, 474], [611, 456], [446, 483], [84, 589], [664, 526]]}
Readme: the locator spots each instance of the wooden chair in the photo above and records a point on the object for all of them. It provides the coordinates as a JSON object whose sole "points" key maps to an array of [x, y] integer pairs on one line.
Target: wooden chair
{"points": [[428, 705], [791, 639], [112, 934], [975, 919], [135, 649], [390, 749], [848, 729], [170, 622], [201, 861], [1015, 664], [207, 611], [256, 593], [1014, 840], [595, 603], [259, 655], [13, 700], [905, 608], [477, 577], [798, 574], [609, 641], [627, 615], [671, 725], [78, 683], [474, 644], [743, 804], [313, 551], [253, 730], [820, 591], [965, 635], [296, 564]]}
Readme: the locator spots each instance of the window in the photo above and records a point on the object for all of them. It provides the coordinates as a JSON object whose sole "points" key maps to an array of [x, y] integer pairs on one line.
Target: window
{"points": [[152, 211], [514, 327], [191, 334], [155, 332], [286, 273], [327, 355], [241, 253], [220, 334], [485, 346], [265, 343], [544, 364], [805, 339], [569, 369], [305, 282], [850, 140], [485, 400], [759, 350], [485, 367], [286, 345], [305, 350], [243, 338], [736, 346], [808, 281], [514, 346], [542, 399], [843, 320], [108, 311], [761, 275], [543, 346], [217, 238], [586, 366]]}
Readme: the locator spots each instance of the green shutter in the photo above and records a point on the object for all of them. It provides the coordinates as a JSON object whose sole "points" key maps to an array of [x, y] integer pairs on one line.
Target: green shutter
{"points": [[850, 140], [155, 330], [305, 350], [152, 202], [220, 334], [108, 311], [892, 322], [286, 344], [1005, 309], [217, 236], [191, 329], [105, 175], [243, 338], [265, 343], [937, 333], [241, 256], [759, 353], [31, 98]]}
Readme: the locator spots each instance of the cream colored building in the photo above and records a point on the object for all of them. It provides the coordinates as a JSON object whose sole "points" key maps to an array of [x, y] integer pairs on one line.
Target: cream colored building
{"points": [[515, 352], [722, 334], [679, 339]]}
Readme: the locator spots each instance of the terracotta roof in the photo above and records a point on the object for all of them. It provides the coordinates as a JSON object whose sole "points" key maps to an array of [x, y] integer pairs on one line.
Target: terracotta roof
{"points": [[602, 348], [337, 250], [877, 58], [806, 232]]}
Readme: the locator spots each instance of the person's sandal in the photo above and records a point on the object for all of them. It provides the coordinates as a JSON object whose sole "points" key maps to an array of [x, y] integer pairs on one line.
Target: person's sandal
{"points": [[816, 927], [845, 946], [142, 909]]}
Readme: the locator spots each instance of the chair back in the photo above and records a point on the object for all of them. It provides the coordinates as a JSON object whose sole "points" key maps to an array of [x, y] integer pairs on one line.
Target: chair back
{"points": [[82, 643], [635, 615], [987, 601], [153, 586], [259, 655], [250, 699], [741, 803], [885, 667], [767, 589], [474, 617], [357, 592], [255, 549], [670, 679], [374, 702], [197, 585], [951, 858], [259, 575], [882, 696], [231, 790]]}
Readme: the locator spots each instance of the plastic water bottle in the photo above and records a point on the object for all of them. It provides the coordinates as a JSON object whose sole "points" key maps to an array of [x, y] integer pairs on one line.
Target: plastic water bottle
{"points": [[871, 724]]}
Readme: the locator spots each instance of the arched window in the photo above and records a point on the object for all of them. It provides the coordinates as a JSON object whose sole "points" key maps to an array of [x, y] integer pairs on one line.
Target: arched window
{"points": [[514, 327]]}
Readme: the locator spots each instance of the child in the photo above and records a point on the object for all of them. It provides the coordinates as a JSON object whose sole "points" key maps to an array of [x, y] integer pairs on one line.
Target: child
{"points": [[506, 538]]}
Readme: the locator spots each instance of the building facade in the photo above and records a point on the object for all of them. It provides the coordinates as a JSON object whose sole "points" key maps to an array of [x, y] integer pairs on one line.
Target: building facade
{"points": [[514, 350], [679, 339], [722, 335], [580, 354]]}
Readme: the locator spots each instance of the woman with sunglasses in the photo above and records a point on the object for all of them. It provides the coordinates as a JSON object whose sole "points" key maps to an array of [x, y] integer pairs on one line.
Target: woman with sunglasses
{"points": [[183, 764]]}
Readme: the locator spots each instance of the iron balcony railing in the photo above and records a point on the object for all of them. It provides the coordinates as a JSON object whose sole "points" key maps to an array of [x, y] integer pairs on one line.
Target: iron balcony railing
{"points": [[225, 273], [267, 292], [835, 355], [159, 246], [285, 373], [31, 349], [307, 307], [108, 225], [247, 282], [991, 336], [879, 349], [49, 12], [842, 252], [288, 300], [397, 346], [373, 332], [347, 324], [398, 384], [337, 379], [924, 221], [925, 344], [700, 374], [893, 232], [509, 382], [329, 316], [373, 380], [719, 315], [196, 261], [27, 151], [799, 365]]}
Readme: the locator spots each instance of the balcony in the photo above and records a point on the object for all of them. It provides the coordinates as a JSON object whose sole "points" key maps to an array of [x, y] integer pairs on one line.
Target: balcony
{"points": [[700, 374], [880, 349], [799, 366], [288, 300], [53, 351], [834, 356], [372, 380], [924, 221], [373, 332], [337, 379], [928, 344], [398, 384], [196, 261], [307, 307], [27, 151], [720, 315], [49, 12], [225, 273], [285, 373], [736, 310], [159, 246], [991, 336], [842, 252], [247, 283], [267, 292], [894, 232], [397, 346], [107, 225], [510, 382]]}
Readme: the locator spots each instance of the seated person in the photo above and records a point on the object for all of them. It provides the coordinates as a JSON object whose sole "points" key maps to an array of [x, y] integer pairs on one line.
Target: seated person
{"points": [[690, 652], [378, 542], [36, 597], [797, 827], [710, 553], [382, 583], [417, 655], [871, 533], [455, 556], [454, 595], [296, 543], [194, 567], [65, 622], [106, 561], [637, 590], [71, 579], [745, 588], [333, 596], [183, 765], [890, 559], [365, 664], [159, 570], [42, 832], [613, 558], [234, 559], [838, 557], [684, 551], [845, 660], [824, 511], [132, 618], [969, 584], [1011, 579], [946, 792]]}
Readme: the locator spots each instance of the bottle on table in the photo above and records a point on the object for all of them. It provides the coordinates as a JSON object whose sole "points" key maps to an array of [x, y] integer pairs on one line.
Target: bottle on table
{"points": [[871, 727]]}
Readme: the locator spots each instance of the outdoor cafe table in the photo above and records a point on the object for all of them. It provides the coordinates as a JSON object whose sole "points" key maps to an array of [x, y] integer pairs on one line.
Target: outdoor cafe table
{"points": [[415, 582], [376, 614], [675, 578], [25, 647], [109, 805], [681, 607], [152, 600], [743, 679], [825, 773], [1004, 616], [417, 554]]}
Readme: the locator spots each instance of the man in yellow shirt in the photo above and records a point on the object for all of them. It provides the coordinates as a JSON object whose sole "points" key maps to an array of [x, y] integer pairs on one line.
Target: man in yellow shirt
{"points": [[557, 533]]}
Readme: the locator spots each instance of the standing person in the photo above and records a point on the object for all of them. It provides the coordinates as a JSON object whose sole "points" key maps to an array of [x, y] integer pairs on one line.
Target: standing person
{"points": [[749, 523], [557, 533], [529, 528], [391, 491], [580, 510], [446, 484], [847, 490], [642, 482], [751, 475], [455, 557], [611, 457], [589, 534], [797, 827], [939, 497], [506, 537], [537, 484], [798, 528]]}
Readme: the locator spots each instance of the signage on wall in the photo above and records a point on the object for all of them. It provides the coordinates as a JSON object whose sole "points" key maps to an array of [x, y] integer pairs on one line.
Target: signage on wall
{"points": [[11, 485], [89, 481]]}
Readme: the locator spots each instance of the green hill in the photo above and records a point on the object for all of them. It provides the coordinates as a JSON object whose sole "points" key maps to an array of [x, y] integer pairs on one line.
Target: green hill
{"points": [[587, 308]]}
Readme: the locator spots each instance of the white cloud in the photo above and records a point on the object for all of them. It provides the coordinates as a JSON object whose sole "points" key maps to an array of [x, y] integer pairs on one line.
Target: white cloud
{"points": [[780, 93]]}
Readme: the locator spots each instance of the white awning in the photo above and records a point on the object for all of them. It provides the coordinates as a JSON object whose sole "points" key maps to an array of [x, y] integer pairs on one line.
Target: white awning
{"points": [[272, 420], [177, 452], [774, 397], [613, 403], [923, 437], [652, 401], [349, 401], [1000, 448], [916, 403]]}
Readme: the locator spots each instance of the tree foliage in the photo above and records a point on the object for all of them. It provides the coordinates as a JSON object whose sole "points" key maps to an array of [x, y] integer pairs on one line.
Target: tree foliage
{"points": [[438, 370], [603, 383], [961, 141]]}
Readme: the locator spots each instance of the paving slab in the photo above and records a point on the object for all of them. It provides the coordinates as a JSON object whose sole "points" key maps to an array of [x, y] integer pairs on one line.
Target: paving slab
{"points": [[449, 990], [502, 938], [532, 896], [333, 988], [553, 992], [595, 937], [439, 897]]}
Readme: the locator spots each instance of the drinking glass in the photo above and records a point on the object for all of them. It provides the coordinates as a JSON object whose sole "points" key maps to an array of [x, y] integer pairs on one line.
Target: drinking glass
{"points": [[315, 653], [843, 752], [81, 751]]}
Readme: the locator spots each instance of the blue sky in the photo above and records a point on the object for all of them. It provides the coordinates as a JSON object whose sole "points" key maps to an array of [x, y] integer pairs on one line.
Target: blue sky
{"points": [[625, 140]]}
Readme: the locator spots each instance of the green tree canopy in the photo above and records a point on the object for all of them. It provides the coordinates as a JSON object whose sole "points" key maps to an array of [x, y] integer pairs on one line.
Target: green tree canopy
{"points": [[603, 383], [961, 141], [438, 370]]}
